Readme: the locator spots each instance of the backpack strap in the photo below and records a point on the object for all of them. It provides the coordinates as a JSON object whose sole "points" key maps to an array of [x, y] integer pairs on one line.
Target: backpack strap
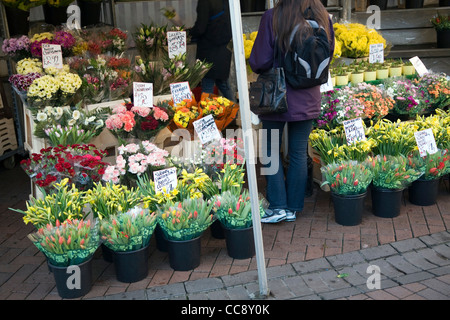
{"points": [[218, 14]]}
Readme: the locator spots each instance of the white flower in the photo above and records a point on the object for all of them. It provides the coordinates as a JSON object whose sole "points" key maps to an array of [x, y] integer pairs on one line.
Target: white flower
{"points": [[41, 116], [76, 115]]}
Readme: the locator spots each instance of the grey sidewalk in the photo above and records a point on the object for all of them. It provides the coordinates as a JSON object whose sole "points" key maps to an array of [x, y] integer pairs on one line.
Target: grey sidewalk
{"points": [[413, 269]]}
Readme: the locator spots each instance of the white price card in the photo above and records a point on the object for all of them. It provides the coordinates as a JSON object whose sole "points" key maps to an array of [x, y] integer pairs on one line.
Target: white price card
{"points": [[376, 53], [206, 129], [165, 179], [354, 130], [143, 94], [180, 91], [52, 56], [425, 142], [327, 86], [176, 41], [419, 66]]}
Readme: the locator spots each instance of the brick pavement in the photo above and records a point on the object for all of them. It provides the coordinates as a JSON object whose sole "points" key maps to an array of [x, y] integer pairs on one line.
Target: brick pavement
{"points": [[303, 258]]}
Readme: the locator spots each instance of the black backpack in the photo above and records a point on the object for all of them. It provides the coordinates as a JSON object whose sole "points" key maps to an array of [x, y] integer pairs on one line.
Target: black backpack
{"points": [[306, 65]]}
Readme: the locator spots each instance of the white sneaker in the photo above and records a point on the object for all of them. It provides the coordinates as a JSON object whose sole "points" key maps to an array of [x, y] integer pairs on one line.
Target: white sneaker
{"points": [[290, 216], [274, 216]]}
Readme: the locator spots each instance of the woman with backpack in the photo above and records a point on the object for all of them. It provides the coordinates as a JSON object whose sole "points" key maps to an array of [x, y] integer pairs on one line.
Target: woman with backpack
{"points": [[286, 194]]}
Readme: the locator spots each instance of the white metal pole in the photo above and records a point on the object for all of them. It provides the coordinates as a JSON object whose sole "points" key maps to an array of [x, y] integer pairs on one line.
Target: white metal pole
{"points": [[244, 104]]}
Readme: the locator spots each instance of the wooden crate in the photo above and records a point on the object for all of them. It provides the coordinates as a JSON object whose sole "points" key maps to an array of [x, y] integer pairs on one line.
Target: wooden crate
{"points": [[8, 140]]}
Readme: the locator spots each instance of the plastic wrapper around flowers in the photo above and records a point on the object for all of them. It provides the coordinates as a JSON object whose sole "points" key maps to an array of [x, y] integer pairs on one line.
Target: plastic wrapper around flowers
{"points": [[128, 231], [63, 255], [186, 112]]}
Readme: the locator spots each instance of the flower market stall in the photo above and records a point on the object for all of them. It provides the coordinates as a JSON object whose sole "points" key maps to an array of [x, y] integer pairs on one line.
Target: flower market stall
{"points": [[92, 124], [97, 117]]}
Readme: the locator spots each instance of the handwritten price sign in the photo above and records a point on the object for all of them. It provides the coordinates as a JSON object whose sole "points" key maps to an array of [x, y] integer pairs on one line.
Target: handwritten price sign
{"points": [[166, 178], [143, 94], [206, 129], [52, 56], [419, 66], [180, 91], [354, 130], [176, 41], [425, 142], [376, 53]]}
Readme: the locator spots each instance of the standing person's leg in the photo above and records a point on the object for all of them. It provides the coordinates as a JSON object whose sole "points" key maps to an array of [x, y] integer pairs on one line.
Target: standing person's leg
{"points": [[273, 171], [208, 85], [224, 87], [297, 173]]}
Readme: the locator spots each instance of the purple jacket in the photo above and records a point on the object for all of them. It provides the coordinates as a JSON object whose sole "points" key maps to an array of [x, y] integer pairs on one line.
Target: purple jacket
{"points": [[303, 104]]}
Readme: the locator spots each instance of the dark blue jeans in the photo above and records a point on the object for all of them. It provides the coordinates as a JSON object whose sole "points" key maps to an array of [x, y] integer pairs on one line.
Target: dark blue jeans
{"points": [[222, 85], [286, 192]]}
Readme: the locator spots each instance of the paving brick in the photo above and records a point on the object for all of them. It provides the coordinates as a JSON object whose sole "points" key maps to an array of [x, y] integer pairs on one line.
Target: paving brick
{"points": [[341, 293], [399, 292], [378, 252], [132, 295], [418, 261], [315, 282], [174, 289], [433, 257], [402, 264], [346, 259], [280, 271], [414, 277], [437, 285], [313, 265], [205, 284], [279, 289], [437, 238], [298, 286], [431, 294], [381, 295], [443, 250], [408, 245], [242, 278]]}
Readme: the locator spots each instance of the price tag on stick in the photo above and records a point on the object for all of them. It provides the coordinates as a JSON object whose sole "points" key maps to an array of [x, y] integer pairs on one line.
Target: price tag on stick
{"points": [[354, 130], [376, 53], [180, 91], [165, 179], [425, 142], [419, 66], [176, 41], [206, 129], [143, 94], [52, 56]]}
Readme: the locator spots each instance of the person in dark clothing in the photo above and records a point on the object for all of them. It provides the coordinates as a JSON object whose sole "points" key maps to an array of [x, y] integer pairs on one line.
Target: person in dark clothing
{"points": [[286, 194], [212, 44]]}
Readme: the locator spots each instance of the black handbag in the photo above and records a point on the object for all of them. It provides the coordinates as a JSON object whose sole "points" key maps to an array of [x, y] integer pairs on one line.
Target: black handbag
{"points": [[268, 93]]}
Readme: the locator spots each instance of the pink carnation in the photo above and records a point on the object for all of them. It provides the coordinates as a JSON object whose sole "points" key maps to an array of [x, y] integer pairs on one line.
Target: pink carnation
{"points": [[114, 122], [128, 120], [142, 111], [160, 114]]}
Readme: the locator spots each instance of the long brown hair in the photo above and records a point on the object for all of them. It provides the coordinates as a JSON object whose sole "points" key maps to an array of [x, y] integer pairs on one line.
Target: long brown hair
{"points": [[289, 13]]}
